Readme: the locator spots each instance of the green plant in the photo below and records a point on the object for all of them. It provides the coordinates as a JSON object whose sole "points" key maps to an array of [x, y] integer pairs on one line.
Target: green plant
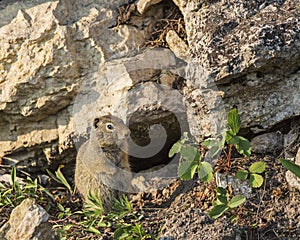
{"points": [[222, 204], [122, 205], [256, 180], [241, 144], [12, 195], [289, 165], [126, 221], [64, 212], [67, 221], [122, 218], [92, 218], [60, 178], [131, 232], [191, 161]]}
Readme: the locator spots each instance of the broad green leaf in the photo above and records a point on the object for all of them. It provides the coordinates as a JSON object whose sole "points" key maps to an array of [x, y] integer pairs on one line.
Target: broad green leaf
{"points": [[175, 149], [221, 191], [241, 144], [208, 178], [189, 153], [228, 137], [222, 199], [210, 142], [205, 171], [217, 211], [294, 168], [242, 174], [236, 201], [214, 150], [186, 170], [234, 121], [214, 146], [256, 180], [258, 167]]}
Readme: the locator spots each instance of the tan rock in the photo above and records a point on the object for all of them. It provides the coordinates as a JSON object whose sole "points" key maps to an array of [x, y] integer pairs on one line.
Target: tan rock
{"points": [[143, 5], [177, 45], [27, 221], [293, 180], [267, 143]]}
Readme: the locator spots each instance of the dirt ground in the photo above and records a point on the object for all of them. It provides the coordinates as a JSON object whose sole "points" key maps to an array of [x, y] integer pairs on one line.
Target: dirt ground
{"points": [[272, 211], [180, 211]]}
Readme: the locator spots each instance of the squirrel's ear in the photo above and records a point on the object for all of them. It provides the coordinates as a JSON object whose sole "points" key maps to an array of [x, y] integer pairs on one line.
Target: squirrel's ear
{"points": [[96, 121]]}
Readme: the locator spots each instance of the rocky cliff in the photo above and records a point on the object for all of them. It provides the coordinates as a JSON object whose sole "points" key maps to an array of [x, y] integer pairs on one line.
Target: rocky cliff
{"points": [[63, 62]]}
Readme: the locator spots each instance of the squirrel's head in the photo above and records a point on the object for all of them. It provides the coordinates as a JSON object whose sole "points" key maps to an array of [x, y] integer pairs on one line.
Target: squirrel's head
{"points": [[110, 130]]}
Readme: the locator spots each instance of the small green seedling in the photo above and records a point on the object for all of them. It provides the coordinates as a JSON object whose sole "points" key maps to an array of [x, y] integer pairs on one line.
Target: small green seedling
{"points": [[60, 178], [256, 180], [222, 204], [191, 161], [241, 144], [131, 232], [289, 165]]}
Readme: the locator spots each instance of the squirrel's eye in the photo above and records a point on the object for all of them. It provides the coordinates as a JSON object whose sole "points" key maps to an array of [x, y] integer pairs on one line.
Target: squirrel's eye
{"points": [[109, 126]]}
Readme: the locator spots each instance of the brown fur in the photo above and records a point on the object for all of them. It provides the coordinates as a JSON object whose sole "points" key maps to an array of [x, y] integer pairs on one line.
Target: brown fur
{"points": [[99, 160]]}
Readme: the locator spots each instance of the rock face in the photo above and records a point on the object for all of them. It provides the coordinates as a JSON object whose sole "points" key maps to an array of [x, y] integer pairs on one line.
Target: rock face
{"points": [[63, 61], [252, 51], [27, 221], [47, 51]]}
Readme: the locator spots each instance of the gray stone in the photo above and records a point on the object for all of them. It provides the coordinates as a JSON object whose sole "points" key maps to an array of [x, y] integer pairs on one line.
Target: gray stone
{"points": [[267, 143], [238, 186], [27, 221], [293, 180], [177, 45], [6, 178], [46, 52], [252, 51], [143, 5]]}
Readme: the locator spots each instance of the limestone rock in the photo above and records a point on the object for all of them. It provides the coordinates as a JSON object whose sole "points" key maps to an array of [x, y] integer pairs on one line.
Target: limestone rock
{"points": [[267, 143], [251, 50], [27, 221], [292, 139], [239, 187], [154, 178], [38, 79], [6, 178], [177, 45], [154, 112], [143, 5], [46, 52], [293, 180]]}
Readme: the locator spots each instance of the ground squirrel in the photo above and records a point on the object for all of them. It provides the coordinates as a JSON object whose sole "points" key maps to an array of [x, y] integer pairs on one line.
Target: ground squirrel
{"points": [[100, 160]]}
